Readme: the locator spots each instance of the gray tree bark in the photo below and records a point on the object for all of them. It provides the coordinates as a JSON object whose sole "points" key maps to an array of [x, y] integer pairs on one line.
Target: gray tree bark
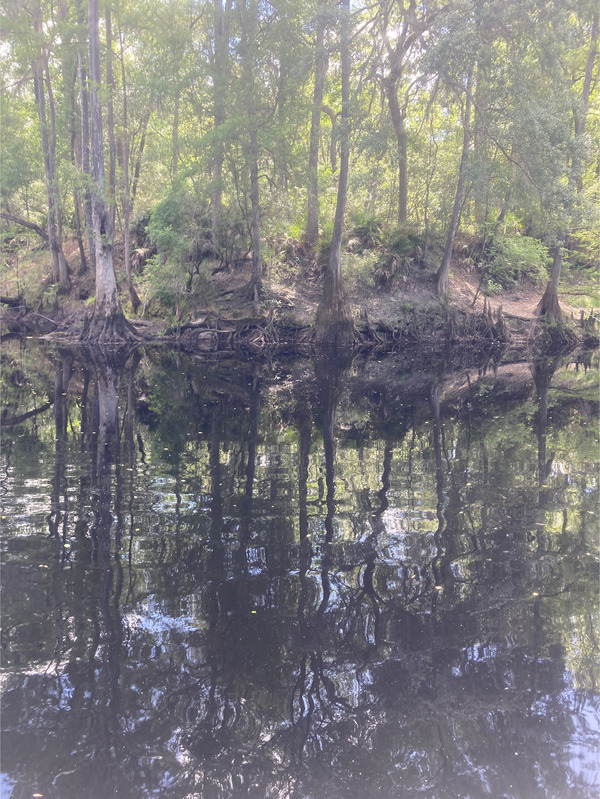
{"points": [[549, 305], [85, 139], [107, 324], [333, 324], [444, 270], [222, 24], [321, 61], [248, 20], [47, 117], [126, 201], [398, 115]]}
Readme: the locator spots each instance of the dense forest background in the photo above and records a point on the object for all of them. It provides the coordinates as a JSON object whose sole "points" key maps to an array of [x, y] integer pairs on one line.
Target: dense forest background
{"points": [[300, 140]]}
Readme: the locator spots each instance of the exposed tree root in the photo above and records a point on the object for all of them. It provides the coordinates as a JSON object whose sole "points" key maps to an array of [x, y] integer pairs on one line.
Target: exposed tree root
{"points": [[110, 329], [549, 307]]}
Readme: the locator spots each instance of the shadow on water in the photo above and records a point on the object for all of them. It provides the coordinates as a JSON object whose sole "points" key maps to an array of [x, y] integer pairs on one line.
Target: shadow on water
{"points": [[297, 579]]}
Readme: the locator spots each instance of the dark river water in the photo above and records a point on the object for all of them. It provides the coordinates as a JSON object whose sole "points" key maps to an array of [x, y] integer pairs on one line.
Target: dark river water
{"points": [[297, 578]]}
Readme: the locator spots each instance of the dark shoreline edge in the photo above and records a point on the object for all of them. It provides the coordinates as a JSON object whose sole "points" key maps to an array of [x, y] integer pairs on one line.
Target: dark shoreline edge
{"points": [[441, 331]]}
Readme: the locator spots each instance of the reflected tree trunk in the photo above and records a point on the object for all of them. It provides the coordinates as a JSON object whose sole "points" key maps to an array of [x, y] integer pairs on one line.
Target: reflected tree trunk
{"points": [[330, 378], [129, 458], [434, 403], [304, 424], [106, 591], [58, 504], [246, 508], [251, 460], [58, 517], [105, 453], [216, 560], [543, 372]]}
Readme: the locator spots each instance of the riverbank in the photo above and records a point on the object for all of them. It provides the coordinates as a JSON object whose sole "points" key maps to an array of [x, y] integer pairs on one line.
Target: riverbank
{"points": [[405, 314]]}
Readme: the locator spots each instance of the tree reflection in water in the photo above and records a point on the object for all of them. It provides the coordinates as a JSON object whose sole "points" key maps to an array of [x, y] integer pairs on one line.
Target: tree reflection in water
{"points": [[285, 580]]}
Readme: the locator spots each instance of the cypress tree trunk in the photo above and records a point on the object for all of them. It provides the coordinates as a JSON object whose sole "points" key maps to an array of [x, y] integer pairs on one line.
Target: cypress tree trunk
{"points": [[69, 79], [127, 204], [41, 85], [248, 20], [397, 115], [107, 324], [110, 119], [312, 220], [256, 282], [222, 21], [85, 139], [549, 306], [444, 270], [333, 324], [175, 139]]}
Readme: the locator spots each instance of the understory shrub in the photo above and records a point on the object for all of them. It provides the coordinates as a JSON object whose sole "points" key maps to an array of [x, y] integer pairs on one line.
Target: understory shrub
{"points": [[179, 230], [511, 259]]}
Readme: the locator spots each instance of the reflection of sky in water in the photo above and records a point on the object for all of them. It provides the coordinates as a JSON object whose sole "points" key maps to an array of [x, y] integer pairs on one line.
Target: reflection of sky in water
{"points": [[6, 786], [151, 619]]}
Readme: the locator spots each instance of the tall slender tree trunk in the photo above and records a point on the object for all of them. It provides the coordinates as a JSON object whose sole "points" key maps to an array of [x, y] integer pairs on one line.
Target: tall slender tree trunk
{"points": [[47, 117], [85, 138], [321, 62], [549, 306], [138, 161], [248, 19], [126, 201], [63, 268], [222, 24], [69, 79], [333, 324], [107, 324], [175, 138], [256, 283], [580, 113], [444, 270], [110, 119], [398, 117]]}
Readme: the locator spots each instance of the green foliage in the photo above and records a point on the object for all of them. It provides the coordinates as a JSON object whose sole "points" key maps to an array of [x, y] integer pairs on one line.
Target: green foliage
{"points": [[176, 224], [401, 241], [367, 230], [190, 118], [360, 265], [514, 258], [164, 281], [324, 249], [179, 229]]}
